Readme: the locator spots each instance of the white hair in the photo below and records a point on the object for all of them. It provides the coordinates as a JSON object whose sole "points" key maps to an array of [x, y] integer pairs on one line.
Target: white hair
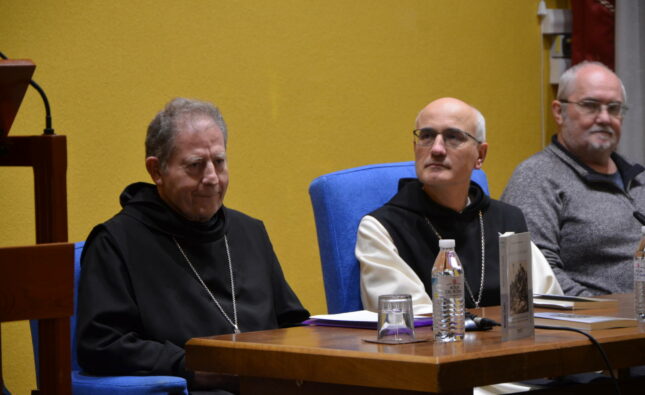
{"points": [[480, 126]]}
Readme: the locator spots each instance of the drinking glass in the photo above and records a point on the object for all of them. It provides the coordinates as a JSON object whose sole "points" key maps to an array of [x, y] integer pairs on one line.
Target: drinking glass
{"points": [[395, 319]]}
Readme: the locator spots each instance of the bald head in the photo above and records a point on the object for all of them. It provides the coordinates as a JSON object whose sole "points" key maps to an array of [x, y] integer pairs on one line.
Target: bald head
{"points": [[444, 164], [455, 110], [585, 72]]}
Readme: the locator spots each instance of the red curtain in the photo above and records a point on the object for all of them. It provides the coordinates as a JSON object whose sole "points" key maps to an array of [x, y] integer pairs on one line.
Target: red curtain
{"points": [[593, 31]]}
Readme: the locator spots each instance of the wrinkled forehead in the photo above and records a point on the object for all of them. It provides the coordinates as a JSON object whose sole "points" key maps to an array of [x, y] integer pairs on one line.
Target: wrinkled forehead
{"points": [[447, 116], [193, 123], [197, 134], [596, 82]]}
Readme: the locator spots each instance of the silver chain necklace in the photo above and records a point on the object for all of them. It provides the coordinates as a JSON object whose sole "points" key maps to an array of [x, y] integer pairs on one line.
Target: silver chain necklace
{"points": [[481, 283], [230, 270]]}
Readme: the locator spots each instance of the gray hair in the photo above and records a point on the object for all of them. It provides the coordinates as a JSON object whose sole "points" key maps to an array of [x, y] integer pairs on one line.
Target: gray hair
{"points": [[168, 122], [568, 79], [480, 126]]}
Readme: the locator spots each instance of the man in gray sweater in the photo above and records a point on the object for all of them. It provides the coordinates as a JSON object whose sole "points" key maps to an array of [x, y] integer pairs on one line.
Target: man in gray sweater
{"points": [[583, 202]]}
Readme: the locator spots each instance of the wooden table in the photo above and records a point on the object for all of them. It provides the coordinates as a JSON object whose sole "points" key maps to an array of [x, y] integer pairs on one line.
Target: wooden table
{"points": [[316, 360]]}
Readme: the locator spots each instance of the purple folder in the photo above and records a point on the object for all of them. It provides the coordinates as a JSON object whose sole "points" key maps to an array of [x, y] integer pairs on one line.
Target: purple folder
{"points": [[418, 321]]}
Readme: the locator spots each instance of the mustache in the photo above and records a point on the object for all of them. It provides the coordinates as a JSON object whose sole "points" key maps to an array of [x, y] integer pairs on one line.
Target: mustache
{"points": [[602, 129]]}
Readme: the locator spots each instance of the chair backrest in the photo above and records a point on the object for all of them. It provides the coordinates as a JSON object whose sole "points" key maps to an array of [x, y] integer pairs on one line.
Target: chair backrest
{"points": [[78, 249], [340, 199]]}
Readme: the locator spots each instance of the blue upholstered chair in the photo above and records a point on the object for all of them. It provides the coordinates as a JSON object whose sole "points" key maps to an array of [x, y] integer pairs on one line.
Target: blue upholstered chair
{"points": [[340, 200], [86, 384]]}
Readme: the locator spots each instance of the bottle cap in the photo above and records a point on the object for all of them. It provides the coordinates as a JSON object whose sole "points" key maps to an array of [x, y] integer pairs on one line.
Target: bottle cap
{"points": [[447, 243]]}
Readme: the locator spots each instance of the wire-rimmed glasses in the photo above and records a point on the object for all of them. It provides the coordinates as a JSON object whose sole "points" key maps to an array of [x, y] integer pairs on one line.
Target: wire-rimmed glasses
{"points": [[452, 137], [615, 109]]}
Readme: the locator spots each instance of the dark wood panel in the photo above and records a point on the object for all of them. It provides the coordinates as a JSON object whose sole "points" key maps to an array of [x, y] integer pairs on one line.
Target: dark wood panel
{"points": [[15, 75], [55, 356], [36, 282], [47, 154], [255, 385]]}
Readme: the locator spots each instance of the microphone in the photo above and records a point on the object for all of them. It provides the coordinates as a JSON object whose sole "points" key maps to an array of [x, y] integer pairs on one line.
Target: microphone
{"points": [[477, 323], [48, 115]]}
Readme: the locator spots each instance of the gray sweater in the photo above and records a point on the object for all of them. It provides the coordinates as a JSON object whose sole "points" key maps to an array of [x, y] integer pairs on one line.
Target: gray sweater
{"points": [[581, 220]]}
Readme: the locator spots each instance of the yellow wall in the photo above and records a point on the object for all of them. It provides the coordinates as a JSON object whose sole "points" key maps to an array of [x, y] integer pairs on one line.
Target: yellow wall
{"points": [[307, 87]]}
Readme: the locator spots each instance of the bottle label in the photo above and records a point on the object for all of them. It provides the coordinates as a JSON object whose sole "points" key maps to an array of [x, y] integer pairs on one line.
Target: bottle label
{"points": [[448, 287], [639, 269]]}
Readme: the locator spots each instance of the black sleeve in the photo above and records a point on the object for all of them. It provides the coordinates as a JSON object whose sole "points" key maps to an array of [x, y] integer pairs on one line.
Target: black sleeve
{"points": [[109, 328], [288, 308], [513, 218]]}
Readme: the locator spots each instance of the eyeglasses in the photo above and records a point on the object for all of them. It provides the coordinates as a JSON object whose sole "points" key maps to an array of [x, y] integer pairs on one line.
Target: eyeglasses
{"points": [[452, 138], [615, 109]]}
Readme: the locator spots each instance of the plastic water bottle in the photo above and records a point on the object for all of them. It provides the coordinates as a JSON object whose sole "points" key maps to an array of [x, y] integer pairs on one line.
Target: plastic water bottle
{"points": [[447, 294], [639, 278]]}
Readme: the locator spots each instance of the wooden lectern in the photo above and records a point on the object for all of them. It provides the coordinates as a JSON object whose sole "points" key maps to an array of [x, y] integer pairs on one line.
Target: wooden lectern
{"points": [[36, 282]]}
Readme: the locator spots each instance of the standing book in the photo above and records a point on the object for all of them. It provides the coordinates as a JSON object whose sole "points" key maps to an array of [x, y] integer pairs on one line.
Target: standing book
{"points": [[516, 285]]}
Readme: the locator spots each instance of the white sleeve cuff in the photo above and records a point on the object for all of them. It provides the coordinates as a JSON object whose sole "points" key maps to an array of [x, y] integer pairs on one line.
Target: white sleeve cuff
{"points": [[383, 271]]}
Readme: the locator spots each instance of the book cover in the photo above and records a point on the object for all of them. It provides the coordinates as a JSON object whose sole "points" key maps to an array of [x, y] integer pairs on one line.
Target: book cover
{"points": [[565, 302], [516, 288], [581, 321]]}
